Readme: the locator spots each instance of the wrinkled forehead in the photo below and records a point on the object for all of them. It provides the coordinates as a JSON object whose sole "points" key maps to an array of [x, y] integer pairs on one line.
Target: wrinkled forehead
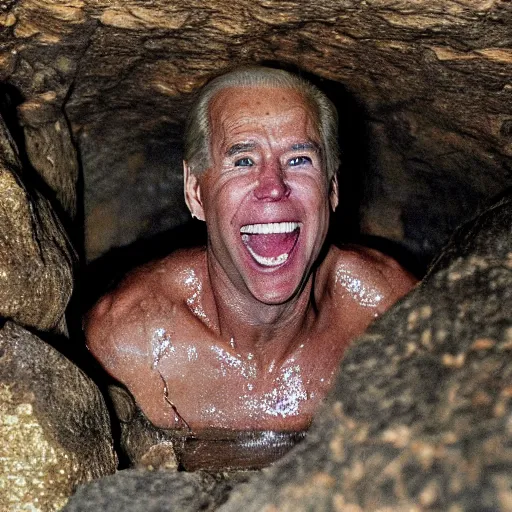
{"points": [[250, 103]]}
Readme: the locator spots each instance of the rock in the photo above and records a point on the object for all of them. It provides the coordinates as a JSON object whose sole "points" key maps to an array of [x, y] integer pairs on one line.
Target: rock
{"points": [[152, 491], [54, 426], [139, 439], [36, 257], [50, 148], [420, 416]]}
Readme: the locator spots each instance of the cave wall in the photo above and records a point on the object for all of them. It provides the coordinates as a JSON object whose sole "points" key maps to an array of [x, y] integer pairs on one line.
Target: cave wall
{"points": [[424, 86]]}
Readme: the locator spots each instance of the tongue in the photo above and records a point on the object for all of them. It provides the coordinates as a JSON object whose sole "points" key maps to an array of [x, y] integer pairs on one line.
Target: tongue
{"points": [[271, 246]]}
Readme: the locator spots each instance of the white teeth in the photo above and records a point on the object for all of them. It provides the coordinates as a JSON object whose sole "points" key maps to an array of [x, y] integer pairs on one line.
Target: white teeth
{"points": [[268, 262], [269, 228]]}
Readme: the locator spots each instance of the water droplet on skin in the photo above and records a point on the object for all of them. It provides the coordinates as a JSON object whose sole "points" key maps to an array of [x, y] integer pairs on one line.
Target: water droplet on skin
{"points": [[192, 353], [195, 288], [283, 400], [228, 363], [161, 346], [361, 293]]}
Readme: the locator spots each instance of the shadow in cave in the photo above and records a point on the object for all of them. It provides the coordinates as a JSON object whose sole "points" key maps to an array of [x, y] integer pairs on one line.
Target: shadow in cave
{"points": [[10, 99], [105, 272]]}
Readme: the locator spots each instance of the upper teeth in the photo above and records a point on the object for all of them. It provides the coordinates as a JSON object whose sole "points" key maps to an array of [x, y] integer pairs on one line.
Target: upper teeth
{"points": [[271, 227]]}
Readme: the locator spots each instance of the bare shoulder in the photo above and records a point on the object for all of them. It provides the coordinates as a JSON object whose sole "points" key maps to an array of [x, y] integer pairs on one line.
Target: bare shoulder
{"points": [[366, 277], [153, 291]]}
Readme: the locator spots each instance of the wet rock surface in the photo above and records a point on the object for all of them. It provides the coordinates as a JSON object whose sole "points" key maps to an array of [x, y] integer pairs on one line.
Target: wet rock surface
{"points": [[54, 426], [420, 416], [36, 257]]}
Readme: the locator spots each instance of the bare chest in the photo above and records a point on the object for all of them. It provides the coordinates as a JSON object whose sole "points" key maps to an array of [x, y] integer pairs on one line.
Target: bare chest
{"points": [[212, 385]]}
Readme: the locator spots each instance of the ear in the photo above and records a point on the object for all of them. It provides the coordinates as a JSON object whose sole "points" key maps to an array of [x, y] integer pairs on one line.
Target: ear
{"points": [[333, 192], [192, 190]]}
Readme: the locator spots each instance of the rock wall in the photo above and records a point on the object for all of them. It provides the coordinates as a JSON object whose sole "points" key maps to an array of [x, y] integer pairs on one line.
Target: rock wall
{"points": [[54, 426]]}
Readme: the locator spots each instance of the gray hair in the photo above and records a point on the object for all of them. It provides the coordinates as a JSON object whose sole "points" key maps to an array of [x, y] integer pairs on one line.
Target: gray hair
{"points": [[197, 127]]}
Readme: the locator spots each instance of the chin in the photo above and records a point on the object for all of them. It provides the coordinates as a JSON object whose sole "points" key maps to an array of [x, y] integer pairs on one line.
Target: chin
{"points": [[278, 285], [274, 300], [275, 293]]}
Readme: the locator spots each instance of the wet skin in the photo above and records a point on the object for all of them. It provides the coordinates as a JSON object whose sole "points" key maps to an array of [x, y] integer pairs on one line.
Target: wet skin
{"points": [[248, 332]]}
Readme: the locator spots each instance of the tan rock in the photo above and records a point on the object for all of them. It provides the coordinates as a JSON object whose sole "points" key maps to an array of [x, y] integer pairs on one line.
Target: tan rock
{"points": [[54, 426]]}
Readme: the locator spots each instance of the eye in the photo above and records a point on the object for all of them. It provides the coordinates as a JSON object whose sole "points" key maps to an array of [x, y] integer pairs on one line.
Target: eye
{"points": [[299, 160], [244, 162]]}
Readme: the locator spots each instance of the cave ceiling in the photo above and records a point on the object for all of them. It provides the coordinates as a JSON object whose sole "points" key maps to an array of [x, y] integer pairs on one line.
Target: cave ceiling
{"points": [[424, 90]]}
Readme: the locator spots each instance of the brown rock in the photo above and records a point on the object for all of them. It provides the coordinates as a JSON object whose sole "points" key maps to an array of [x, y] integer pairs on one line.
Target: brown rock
{"points": [[50, 148], [36, 258], [54, 426]]}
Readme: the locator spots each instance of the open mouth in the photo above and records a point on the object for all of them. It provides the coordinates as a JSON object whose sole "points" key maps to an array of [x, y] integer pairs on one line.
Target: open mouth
{"points": [[270, 244]]}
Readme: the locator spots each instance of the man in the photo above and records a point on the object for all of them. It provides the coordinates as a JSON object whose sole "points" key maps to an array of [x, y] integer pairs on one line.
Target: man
{"points": [[247, 333]]}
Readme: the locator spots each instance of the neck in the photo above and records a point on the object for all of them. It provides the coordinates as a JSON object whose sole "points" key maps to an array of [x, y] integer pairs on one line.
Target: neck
{"points": [[267, 331]]}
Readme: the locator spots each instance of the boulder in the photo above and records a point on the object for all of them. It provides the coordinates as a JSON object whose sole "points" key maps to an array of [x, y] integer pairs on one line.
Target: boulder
{"points": [[36, 257], [54, 426], [137, 490], [50, 149]]}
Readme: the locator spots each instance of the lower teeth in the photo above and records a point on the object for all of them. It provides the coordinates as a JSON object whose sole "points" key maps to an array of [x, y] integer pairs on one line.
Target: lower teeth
{"points": [[268, 262]]}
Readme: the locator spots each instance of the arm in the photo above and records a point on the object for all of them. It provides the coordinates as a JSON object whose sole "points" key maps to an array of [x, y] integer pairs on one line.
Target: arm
{"points": [[118, 335]]}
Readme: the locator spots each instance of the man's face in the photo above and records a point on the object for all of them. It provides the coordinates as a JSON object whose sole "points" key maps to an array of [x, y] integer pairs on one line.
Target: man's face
{"points": [[266, 197]]}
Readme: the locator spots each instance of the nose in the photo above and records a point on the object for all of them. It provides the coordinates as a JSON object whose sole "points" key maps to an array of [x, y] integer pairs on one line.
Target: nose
{"points": [[271, 184]]}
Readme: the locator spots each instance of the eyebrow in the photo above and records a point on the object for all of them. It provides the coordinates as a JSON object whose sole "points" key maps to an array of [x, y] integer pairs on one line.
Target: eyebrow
{"points": [[240, 148], [306, 146]]}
